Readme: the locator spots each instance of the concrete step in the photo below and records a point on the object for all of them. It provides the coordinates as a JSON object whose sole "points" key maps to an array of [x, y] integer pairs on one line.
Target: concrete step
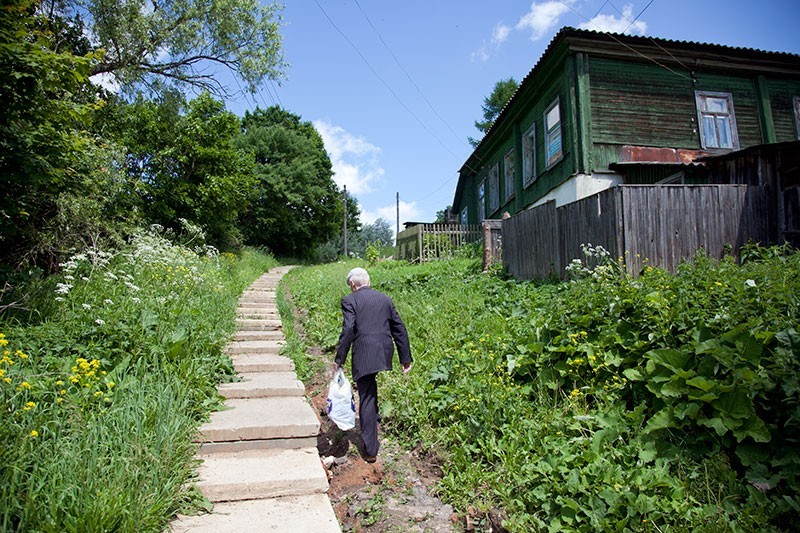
{"points": [[282, 418], [267, 335], [308, 514], [266, 297], [258, 324], [258, 314], [267, 346], [257, 305], [263, 385], [253, 475], [249, 362]]}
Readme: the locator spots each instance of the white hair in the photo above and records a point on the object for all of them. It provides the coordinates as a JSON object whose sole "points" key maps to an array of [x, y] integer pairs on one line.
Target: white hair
{"points": [[359, 277]]}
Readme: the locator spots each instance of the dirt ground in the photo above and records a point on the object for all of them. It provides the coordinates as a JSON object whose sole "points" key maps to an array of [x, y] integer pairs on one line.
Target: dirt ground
{"points": [[394, 494]]}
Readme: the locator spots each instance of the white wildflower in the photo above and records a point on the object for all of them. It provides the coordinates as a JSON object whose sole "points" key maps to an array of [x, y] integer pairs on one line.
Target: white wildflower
{"points": [[86, 306], [100, 321], [108, 302], [750, 283]]}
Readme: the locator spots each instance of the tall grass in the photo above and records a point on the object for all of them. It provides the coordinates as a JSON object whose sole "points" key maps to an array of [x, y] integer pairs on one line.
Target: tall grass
{"points": [[104, 386], [663, 402]]}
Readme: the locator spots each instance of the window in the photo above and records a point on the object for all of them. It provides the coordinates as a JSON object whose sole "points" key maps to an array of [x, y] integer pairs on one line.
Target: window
{"points": [[716, 120], [529, 156], [482, 200], [508, 164], [494, 188], [464, 219], [552, 127], [797, 116]]}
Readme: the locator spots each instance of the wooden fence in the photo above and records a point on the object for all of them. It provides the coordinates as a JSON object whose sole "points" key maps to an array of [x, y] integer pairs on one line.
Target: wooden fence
{"points": [[663, 224], [425, 242]]}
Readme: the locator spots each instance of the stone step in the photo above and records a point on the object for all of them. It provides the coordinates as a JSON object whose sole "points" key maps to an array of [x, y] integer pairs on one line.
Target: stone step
{"points": [[259, 314], [310, 513], [258, 324], [258, 296], [257, 474], [263, 385], [269, 335], [241, 347], [264, 362], [261, 419], [257, 306]]}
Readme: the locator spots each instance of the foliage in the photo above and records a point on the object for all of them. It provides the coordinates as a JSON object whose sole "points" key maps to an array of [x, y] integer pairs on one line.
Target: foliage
{"points": [[176, 41], [105, 383], [605, 403], [186, 164], [294, 204], [45, 155], [494, 104]]}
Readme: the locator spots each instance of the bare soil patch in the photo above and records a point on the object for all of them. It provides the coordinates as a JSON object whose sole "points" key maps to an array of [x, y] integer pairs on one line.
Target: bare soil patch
{"points": [[394, 494]]}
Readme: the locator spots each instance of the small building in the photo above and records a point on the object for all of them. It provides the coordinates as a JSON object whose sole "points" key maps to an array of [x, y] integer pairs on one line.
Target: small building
{"points": [[603, 109]]}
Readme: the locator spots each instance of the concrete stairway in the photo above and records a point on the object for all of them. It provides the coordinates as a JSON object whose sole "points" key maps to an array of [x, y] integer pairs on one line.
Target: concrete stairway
{"points": [[260, 465]]}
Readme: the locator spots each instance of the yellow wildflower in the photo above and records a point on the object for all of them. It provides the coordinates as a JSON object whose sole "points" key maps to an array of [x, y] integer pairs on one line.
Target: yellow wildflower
{"points": [[34, 433], [29, 406], [25, 385]]}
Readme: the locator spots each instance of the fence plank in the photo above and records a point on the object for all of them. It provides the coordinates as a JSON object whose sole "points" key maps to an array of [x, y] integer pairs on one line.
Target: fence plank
{"points": [[659, 225]]}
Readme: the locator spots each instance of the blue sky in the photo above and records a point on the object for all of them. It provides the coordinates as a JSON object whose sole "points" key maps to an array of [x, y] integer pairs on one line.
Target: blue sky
{"points": [[395, 87]]}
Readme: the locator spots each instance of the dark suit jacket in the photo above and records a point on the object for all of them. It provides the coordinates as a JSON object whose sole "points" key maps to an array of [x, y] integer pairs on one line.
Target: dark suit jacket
{"points": [[369, 324]]}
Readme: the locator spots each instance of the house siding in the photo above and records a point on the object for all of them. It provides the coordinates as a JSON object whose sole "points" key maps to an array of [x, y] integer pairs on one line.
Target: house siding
{"points": [[782, 94], [639, 101]]}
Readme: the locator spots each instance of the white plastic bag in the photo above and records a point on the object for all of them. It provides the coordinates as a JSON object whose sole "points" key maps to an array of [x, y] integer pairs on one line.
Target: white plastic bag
{"points": [[341, 404]]}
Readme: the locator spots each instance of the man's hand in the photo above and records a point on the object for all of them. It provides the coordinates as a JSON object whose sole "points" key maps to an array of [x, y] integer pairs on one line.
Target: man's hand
{"points": [[407, 368]]}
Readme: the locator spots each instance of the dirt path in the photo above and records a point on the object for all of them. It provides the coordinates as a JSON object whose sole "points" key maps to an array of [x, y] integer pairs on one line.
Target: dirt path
{"points": [[395, 494]]}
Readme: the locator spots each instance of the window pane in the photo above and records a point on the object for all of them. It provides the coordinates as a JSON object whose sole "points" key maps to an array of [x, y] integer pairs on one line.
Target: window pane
{"points": [[553, 117], [553, 145], [710, 133], [717, 105], [724, 132]]}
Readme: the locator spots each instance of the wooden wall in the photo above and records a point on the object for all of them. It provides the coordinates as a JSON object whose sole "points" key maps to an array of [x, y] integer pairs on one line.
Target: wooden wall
{"points": [[663, 224]]}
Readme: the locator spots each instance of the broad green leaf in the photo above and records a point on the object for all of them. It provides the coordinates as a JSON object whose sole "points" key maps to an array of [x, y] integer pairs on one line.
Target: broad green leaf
{"points": [[661, 420]]}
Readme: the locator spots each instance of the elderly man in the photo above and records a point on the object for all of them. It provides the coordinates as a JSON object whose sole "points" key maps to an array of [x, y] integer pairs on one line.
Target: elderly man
{"points": [[371, 325]]}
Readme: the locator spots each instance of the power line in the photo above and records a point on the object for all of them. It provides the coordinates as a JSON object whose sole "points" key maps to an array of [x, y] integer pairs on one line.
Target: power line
{"points": [[637, 52], [410, 79], [385, 84]]}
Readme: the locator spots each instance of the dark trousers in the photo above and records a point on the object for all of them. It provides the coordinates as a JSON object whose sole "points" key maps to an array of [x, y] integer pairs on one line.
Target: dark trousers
{"points": [[368, 413]]}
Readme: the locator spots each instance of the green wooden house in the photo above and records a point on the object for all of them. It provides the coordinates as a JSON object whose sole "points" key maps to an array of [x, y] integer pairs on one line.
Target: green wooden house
{"points": [[602, 109]]}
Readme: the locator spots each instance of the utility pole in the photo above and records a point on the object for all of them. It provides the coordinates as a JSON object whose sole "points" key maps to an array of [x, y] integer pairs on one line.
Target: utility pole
{"points": [[344, 199]]}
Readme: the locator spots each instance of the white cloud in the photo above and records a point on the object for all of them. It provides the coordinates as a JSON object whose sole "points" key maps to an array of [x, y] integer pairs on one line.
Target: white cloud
{"points": [[409, 212], [540, 20], [354, 159], [500, 34], [543, 17], [107, 81], [612, 24]]}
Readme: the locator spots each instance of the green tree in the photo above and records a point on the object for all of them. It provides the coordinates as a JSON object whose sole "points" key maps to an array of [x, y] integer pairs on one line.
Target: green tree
{"points": [[187, 165], [43, 146], [175, 41], [442, 215], [494, 104], [295, 205]]}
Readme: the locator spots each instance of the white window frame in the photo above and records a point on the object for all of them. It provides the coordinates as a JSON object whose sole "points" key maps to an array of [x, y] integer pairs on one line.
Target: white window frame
{"points": [[796, 101], [508, 172], [494, 188], [706, 143], [482, 200], [529, 156], [553, 133]]}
